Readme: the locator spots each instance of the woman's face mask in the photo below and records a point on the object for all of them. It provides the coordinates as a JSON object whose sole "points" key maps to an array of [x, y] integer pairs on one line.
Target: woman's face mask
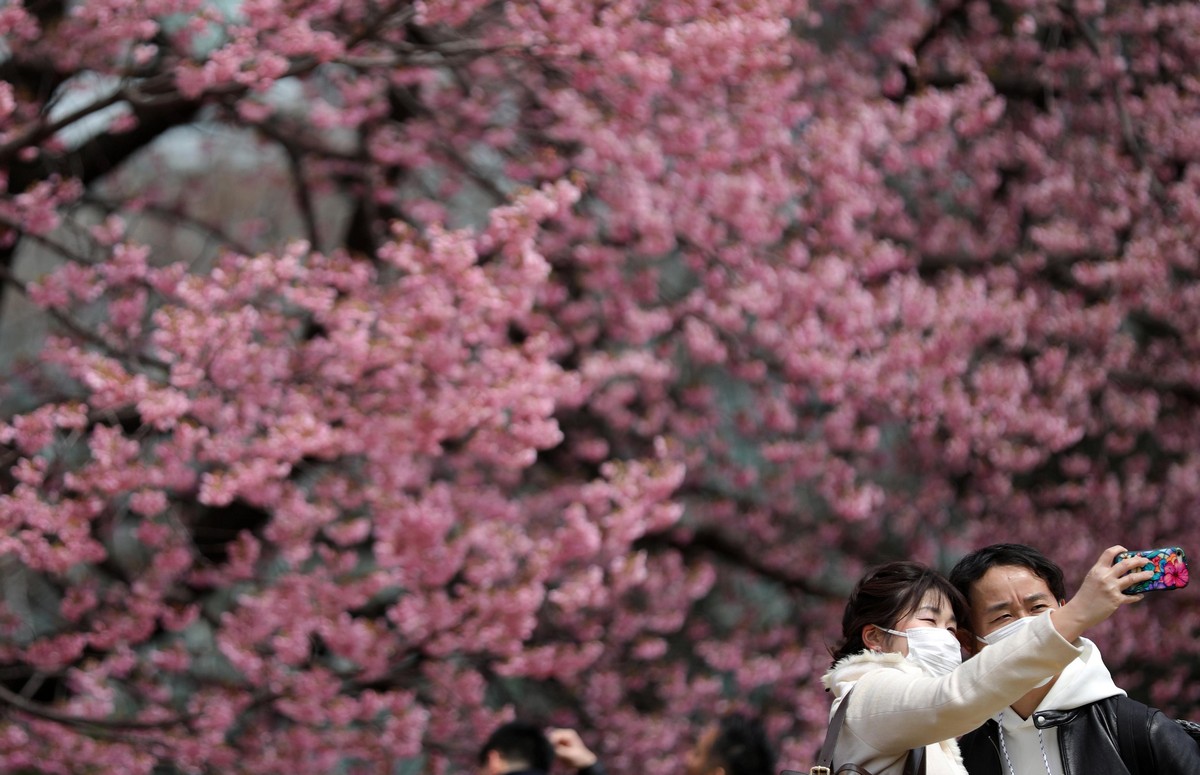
{"points": [[933, 648]]}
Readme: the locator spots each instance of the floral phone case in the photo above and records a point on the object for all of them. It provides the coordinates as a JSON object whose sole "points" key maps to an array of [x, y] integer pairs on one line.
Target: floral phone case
{"points": [[1169, 566]]}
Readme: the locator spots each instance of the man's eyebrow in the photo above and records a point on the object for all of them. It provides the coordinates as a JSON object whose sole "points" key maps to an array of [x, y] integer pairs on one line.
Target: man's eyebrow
{"points": [[1004, 603]]}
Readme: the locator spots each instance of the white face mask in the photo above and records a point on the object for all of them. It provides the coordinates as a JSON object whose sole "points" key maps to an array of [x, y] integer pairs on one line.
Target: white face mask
{"points": [[997, 635], [933, 648]]}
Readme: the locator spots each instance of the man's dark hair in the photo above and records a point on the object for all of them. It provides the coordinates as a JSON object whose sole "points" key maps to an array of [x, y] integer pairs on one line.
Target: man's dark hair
{"points": [[741, 747], [971, 568], [887, 594], [520, 743]]}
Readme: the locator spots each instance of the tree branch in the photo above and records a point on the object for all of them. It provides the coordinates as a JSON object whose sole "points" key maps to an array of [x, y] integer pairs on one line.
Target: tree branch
{"points": [[1132, 143], [714, 543], [14, 700]]}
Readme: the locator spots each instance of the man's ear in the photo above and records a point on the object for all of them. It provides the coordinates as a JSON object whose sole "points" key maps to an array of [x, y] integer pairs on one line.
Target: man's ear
{"points": [[873, 637]]}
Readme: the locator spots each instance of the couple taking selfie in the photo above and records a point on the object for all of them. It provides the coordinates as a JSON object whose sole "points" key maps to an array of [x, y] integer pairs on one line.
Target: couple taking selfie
{"points": [[1034, 698]]}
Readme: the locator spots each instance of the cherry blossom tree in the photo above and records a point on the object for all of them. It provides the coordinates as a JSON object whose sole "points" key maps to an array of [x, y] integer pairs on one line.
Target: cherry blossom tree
{"points": [[413, 365]]}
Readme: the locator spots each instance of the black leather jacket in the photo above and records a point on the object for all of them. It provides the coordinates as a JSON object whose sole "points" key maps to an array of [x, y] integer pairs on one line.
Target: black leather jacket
{"points": [[1090, 741]]}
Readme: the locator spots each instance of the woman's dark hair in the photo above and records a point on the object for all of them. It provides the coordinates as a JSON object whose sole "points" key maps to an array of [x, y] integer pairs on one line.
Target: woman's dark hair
{"points": [[889, 593]]}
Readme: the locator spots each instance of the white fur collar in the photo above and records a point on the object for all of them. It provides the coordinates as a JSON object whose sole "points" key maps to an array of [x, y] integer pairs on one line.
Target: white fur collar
{"points": [[850, 669]]}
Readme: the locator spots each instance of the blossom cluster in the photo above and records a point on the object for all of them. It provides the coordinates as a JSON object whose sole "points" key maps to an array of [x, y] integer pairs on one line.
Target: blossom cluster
{"points": [[571, 360]]}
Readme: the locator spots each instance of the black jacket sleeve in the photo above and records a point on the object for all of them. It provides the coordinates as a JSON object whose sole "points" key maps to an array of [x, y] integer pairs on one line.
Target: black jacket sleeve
{"points": [[1174, 750]]}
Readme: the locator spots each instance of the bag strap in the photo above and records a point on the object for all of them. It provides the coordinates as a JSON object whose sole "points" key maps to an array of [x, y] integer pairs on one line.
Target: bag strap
{"points": [[914, 763], [1191, 727], [824, 764], [1133, 742]]}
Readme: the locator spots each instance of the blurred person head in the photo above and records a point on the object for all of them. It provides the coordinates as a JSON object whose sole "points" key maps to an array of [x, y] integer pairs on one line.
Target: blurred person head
{"points": [[736, 745], [513, 747]]}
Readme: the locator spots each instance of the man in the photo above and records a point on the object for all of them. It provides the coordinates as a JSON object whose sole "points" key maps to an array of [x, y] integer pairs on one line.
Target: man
{"points": [[1078, 722], [734, 746], [520, 747]]}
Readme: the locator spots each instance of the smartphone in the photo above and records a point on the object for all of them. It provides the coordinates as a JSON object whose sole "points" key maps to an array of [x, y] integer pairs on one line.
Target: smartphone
{"points": [[1169, 566]]}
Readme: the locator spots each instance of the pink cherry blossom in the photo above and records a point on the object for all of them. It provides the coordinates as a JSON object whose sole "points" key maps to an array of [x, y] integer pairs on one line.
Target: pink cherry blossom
{"points": [[414, 367]]}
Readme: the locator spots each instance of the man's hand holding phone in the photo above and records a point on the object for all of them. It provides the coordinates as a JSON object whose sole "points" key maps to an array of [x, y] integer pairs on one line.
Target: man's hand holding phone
{"points": [[1101, 593], [1168, 567]]}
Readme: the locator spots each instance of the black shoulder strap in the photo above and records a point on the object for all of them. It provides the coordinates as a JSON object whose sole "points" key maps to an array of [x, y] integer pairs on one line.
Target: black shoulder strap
{"points": [[825, 757], [913, 765], [1133, 736]]}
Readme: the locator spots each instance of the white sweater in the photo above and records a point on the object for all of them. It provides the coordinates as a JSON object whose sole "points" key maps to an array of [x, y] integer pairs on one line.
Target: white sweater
{"points": [[1084, 681], [897, 706]]}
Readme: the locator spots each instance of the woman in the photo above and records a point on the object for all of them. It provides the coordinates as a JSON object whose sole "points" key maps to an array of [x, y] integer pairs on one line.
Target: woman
{"points": [[901, 656]]}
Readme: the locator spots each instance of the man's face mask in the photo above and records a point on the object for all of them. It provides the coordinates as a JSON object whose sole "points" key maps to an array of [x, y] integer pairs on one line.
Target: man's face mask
{"points": [[997, 635]]}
